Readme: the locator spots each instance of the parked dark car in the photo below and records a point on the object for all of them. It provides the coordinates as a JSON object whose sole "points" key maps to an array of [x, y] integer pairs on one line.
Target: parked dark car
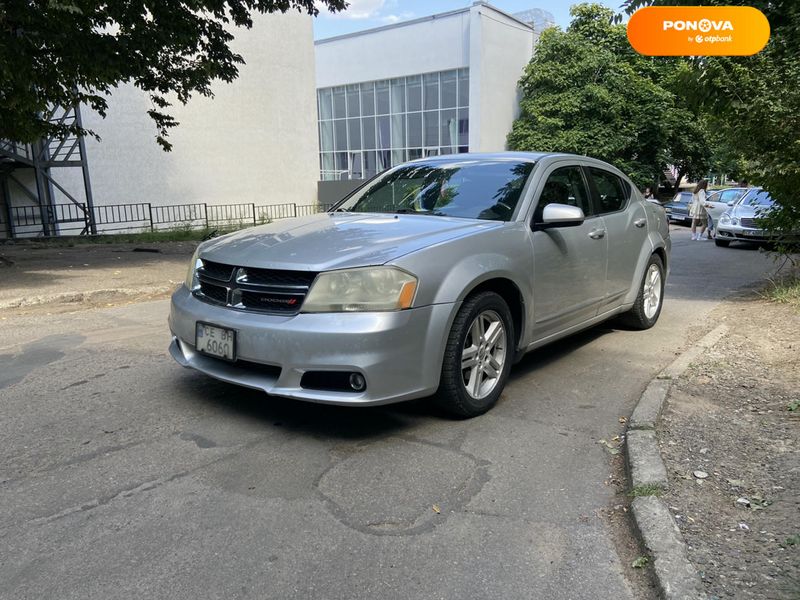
{"points": [[678, 208]]}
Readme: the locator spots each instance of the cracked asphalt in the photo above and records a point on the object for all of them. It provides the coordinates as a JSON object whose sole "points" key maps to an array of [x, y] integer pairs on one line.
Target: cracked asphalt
{"points": [[124, 476]]}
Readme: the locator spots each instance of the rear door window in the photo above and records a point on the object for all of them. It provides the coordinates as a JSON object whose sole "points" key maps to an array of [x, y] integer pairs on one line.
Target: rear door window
{"points": [[610, 192]]}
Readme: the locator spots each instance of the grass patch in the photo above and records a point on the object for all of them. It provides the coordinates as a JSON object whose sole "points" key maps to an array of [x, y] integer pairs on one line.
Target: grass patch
{"points": [[641, 562], [649, 489], [784, 291], [792, 540]]}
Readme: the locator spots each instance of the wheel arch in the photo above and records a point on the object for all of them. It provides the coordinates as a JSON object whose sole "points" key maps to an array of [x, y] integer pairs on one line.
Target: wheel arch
{"points": [[508, 291]]}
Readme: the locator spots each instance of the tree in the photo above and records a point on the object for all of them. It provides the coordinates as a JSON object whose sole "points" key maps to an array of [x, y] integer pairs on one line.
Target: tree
{"points": [[587, 91], [753, 103], [580, 95], [68, 52]]}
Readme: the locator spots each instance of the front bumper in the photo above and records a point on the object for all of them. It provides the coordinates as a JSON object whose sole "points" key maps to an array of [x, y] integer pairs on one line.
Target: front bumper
{"points": [[743, 234], [677, 217], [399, 353]]}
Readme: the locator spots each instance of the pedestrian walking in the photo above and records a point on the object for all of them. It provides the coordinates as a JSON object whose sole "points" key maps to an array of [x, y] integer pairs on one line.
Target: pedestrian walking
{"points": [[697, 210]]}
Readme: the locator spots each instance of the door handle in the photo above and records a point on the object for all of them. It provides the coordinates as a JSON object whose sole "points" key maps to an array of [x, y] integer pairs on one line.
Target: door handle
{"points": [[640, 222], [597, 234]]}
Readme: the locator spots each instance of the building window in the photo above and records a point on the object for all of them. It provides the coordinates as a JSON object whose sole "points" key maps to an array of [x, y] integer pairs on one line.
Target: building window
{"points": [[369, 127]]}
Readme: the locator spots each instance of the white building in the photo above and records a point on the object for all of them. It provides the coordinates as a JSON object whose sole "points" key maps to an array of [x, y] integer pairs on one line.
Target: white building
{"points": [[441, 84], [255, 141]]}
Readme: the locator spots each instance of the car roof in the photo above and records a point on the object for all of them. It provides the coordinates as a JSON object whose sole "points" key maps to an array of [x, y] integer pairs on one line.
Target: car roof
{"points": [[499, 156], [532, 157]]}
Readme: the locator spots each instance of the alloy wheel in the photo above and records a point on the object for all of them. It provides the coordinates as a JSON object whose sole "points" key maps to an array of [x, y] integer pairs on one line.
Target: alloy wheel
{"points": [[484, 354], [652, 291]]}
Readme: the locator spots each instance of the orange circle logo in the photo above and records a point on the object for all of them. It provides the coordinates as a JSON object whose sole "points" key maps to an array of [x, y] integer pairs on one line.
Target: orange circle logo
{"points": [[698, 31]]}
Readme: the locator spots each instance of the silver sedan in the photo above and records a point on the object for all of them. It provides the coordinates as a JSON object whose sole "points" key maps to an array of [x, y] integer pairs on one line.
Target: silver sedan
{"points": [[431, 279]]}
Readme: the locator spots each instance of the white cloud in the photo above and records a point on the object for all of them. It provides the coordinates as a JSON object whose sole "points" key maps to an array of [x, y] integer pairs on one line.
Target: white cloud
{"points": [[358, 10]]}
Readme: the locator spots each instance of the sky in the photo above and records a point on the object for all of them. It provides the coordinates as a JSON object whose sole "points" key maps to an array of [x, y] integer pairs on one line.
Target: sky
{"points": [[366, 14]]}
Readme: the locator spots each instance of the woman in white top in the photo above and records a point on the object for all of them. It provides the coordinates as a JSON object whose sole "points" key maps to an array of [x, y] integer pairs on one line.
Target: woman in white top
{"points": [[697, 210]]}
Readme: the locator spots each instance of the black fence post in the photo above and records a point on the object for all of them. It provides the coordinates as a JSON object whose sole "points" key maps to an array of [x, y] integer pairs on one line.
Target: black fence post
{"points": [[86, 220], [205, 213], [253, 204], [294, 209], [150, 211]]}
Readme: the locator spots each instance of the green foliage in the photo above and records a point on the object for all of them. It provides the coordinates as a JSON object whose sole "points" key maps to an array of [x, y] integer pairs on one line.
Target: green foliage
{"points": [[641, 562], [753, 103], [76, 51], [586, 91], [785, 290]]}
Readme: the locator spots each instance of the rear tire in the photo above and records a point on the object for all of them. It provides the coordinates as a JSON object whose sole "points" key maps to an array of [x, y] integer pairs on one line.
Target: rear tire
{"points": [[477, 359], [647, 308], [722, 243]]}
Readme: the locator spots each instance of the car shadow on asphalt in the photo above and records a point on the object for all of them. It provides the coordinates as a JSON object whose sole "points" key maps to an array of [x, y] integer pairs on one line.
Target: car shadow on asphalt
{"points": [[544, 356], [339, 422], [344, 422]]}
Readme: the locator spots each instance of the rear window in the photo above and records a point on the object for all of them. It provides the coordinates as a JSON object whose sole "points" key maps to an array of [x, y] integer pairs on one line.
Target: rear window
{"points": [[611, 193]]}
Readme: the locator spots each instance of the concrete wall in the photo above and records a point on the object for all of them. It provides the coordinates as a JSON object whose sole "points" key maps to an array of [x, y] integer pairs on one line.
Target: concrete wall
{"points": [[256, 141], [418, 46], [500, 48]]}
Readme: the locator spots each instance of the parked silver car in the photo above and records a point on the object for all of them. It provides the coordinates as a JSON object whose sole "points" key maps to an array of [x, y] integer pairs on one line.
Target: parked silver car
{"points": [[740, 222], [430, 279], [721, 201]]}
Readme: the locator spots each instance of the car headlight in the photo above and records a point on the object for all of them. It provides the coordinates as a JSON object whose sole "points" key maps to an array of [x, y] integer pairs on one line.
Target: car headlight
{"points": [[725, 219], [365, 289], [734, 221], [191, 282]]}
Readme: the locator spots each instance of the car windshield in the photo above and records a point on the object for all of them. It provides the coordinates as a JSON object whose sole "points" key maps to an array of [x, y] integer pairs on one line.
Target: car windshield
{"points": [[758, 198], [471, 189], [683, 197]]}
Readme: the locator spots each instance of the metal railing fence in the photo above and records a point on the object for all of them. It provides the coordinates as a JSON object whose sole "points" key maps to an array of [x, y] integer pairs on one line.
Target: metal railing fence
{"points": [[70, 218]]}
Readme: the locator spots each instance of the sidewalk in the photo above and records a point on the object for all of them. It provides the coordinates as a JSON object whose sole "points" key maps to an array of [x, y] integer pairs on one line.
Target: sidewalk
{"points": [[36, 276], [731, 446]]}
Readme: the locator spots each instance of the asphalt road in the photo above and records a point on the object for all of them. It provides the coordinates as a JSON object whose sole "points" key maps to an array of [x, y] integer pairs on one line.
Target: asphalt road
{"points": [[124, 476]]}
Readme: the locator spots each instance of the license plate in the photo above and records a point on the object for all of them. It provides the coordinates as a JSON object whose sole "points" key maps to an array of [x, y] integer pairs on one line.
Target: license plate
{"points": [[215, 341], [750, 232]]}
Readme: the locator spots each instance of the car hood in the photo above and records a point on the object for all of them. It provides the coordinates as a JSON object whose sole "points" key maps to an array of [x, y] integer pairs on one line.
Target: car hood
{"points": [[337, 240], [749, 211], [678, 205]]}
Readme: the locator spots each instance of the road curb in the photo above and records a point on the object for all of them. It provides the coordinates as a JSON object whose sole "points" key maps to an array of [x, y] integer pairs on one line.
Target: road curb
{"points": [[90, 296], [675, 575]]}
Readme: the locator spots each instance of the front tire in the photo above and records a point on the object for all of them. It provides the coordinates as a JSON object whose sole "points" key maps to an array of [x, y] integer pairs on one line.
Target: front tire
{"points": [[722, 243], [647, 308], [478, 356]]}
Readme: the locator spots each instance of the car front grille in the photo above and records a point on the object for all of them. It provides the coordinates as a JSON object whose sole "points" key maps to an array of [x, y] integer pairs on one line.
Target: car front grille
{"points": [[258, 290], [750, 223]]}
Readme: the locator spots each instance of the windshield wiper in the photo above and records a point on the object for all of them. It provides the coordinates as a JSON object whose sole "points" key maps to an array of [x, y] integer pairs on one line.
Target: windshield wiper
{"points": [[411, 211]]}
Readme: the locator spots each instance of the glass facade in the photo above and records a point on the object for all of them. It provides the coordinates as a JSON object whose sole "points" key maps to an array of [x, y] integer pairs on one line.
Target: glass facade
{"points": [[368, 127]]}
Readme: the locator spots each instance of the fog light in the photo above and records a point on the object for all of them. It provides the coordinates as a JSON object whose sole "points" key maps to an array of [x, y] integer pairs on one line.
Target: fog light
{"points": [[357, 382]]}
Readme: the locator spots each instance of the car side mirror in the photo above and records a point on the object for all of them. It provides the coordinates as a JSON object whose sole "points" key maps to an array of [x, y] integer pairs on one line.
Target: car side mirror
{"points": [[730, 203], [560, 215]]}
